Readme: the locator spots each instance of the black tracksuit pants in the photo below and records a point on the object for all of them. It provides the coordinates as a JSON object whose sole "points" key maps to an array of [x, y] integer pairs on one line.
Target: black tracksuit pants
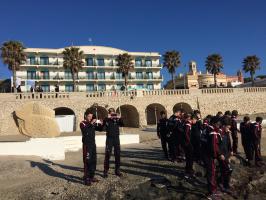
{"points": [[247, 146], [256, 150], [89, 160], [235, 141], [225, 173], [112, 142], [189, 157], [164, 144]]}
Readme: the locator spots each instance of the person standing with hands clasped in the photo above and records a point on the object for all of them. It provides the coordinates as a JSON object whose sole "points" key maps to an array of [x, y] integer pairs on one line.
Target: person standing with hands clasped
{"points": [[88, 127], [111, 124]]}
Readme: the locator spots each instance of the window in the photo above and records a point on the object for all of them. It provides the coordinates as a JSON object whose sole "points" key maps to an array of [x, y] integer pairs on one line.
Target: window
{"points": [[150, 86], [118, 76], [138, 62], [149, 75], [100, 62], [68, 75], [45, 88], [32, 60], [101, 87], [69, 88], [31, 74], [90, 87], [101, 75], [44, 61], [44, 74], [89, 62], [140, 86], [148, 63], [139, 75], [90, 75], [118, 86]]}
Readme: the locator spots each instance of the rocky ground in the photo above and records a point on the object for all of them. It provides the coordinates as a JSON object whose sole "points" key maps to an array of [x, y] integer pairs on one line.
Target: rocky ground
{"points": [[147, 175]]}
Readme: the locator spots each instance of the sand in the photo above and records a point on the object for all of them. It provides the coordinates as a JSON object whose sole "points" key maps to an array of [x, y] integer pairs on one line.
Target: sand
{"points": [[147, 175]]}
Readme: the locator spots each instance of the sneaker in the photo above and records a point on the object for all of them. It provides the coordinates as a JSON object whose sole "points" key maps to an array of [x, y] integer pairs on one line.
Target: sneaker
{"points": [[94, 180], [119, 174], [105, 175], [87, 182]]}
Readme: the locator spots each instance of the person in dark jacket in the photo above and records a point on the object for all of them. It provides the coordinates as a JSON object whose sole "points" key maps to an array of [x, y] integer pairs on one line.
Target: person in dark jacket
{"points": [[256, 140], [213, 153], [111, 125], [88, 127], [226, 152], [234, 130], [162, 131], [206, 129], [246, 138], [175, 127]]}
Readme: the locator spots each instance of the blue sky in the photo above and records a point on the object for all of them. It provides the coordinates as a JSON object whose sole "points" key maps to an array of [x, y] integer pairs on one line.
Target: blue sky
{"points": [[233, 28]]}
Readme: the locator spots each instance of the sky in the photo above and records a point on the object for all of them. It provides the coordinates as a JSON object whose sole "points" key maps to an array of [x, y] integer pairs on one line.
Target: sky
{"points": [[232, 28]]}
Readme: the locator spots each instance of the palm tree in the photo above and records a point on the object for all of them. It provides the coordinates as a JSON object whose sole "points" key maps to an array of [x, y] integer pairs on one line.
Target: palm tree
{"points": [[73, 60], [251, 64], [171, 62], [214, 64], [124, 61], [13, 55]]}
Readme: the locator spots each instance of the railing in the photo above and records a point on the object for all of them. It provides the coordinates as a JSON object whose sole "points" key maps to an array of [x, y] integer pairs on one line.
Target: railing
{"points": [[45, 95], [217, 90], [112, 94], [255, 89], [166, 92], [139, 93]]}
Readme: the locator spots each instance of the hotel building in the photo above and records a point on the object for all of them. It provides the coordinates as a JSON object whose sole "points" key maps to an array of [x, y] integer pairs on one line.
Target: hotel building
{"points": [[44, 68]]}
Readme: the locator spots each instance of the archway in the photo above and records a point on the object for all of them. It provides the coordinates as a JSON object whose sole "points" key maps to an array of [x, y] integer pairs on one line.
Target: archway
{"points": [[99, 111], [66, 119], [129, 115], [183, 106], [153, 113]]}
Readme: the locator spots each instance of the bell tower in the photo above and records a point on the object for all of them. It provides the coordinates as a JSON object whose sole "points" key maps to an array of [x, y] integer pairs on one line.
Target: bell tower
{"points": [[192, 67]]}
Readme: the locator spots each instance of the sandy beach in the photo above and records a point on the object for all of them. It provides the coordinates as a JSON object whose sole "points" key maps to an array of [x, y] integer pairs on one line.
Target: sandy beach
{"points": [[146, 175]]}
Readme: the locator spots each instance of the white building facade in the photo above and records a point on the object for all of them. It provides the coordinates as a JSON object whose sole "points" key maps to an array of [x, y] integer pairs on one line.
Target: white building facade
{"points": [[44, 68]]}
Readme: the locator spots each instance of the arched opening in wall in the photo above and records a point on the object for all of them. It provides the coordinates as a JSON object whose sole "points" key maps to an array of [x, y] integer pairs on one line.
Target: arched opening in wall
{"points": [[66, 119], [99, 111], [153, 113], [129, 115], [183, 106]]}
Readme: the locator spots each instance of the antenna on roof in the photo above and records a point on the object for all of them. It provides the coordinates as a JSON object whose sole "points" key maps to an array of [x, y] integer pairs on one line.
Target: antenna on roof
{"points": [[90, 41]]}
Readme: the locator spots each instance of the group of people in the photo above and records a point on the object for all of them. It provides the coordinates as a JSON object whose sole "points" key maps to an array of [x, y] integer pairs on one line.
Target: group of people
{"points": [[186, 137], [88, 127]]}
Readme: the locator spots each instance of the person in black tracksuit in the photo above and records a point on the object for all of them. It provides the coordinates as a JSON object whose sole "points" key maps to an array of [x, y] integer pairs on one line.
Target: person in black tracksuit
{"points": [[206, 129], [226, 152], [234, 131], [162, 131], [175, 127], [196, 130], [212, 153], [246, 138], [111, 124], [88, 127], [256, 131]]}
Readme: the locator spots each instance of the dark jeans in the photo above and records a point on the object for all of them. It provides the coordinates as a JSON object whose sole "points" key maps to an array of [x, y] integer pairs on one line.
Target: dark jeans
{"points": [[189, 157], [225, 172], [112, 142], [164, 144]]}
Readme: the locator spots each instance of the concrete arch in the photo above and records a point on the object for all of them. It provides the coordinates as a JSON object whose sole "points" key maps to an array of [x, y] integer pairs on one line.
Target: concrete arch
{"points": [[153, 112], [64, 111], [130, 115], [66, 119], [183, 106], [101, 111]]}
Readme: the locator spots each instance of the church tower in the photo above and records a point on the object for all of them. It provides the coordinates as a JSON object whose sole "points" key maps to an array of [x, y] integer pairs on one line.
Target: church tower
{"points": [[192, 68]]}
